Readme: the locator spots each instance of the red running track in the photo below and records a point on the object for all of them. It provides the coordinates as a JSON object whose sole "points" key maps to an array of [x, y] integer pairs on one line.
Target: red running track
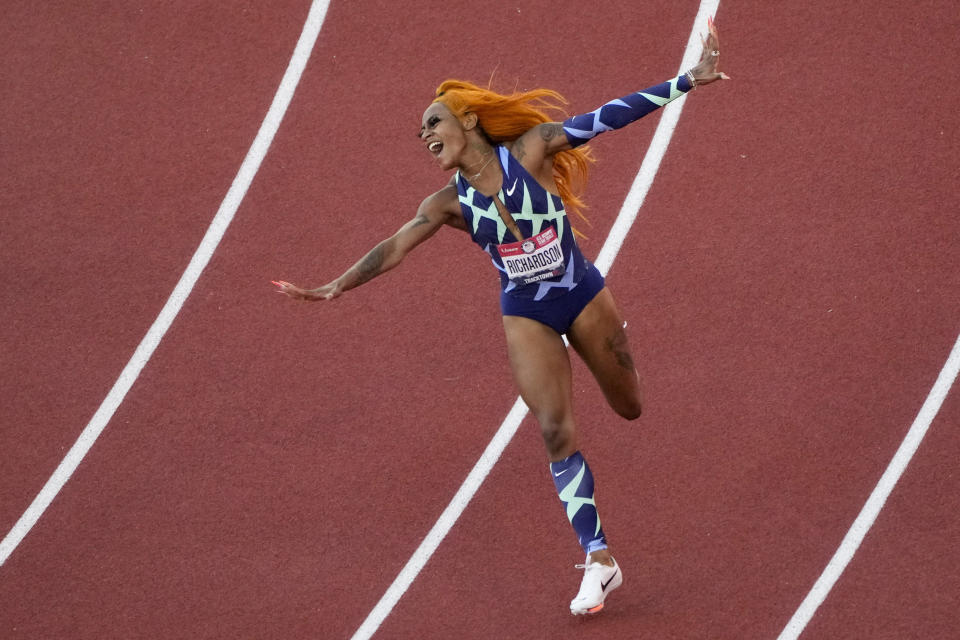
{"points": [[791, 287]]}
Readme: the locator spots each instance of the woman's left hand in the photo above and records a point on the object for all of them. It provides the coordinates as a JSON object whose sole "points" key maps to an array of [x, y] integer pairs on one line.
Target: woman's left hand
{"points": [[708, 69]]}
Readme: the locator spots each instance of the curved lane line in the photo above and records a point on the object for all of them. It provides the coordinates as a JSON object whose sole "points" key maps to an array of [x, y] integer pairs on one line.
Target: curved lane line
{"points": [[625, 219], [229, 206], [868, 515]]}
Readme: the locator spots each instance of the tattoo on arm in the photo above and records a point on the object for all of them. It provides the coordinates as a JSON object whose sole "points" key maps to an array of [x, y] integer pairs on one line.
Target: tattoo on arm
{"points": [[419, 220], [550, 131], [370, 265]]}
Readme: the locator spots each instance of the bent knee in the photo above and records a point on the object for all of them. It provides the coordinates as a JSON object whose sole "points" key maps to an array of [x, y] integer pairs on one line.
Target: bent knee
{"points": [[630, 410]]}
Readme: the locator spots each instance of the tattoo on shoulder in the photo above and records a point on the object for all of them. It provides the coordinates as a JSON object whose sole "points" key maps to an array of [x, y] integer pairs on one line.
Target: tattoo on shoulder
{"points": [[550, 131], [519, 150]]}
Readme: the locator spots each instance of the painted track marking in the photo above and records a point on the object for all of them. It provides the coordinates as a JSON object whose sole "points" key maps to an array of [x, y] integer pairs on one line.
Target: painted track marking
{"points": [[864, 521], [222, 220], [625, 219]]}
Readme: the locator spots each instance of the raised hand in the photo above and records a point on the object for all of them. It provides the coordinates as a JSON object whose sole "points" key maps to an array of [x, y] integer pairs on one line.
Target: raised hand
{"points": [[708, 69]]}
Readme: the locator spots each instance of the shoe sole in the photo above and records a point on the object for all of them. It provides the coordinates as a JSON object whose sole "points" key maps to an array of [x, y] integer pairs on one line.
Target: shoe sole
{"points": [[583, 612]]}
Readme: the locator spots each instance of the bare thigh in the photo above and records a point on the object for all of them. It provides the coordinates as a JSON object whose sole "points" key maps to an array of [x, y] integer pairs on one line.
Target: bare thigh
{"points": [[541, 369], [599, 337]]}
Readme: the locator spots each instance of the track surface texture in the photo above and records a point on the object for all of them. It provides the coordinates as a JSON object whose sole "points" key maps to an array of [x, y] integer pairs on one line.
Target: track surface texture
{"points": [[792, 287]]}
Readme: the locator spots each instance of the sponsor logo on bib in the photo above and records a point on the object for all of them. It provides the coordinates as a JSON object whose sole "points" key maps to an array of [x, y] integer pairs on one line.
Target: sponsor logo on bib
{"points": [[535, 259]]}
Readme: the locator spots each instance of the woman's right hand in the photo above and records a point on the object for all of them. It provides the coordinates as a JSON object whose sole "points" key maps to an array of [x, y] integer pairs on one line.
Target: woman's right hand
{"points": [[328, 291]]}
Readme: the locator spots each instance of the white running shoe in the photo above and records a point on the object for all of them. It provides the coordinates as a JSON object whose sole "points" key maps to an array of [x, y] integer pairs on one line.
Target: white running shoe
{"points": [[598, 581]]}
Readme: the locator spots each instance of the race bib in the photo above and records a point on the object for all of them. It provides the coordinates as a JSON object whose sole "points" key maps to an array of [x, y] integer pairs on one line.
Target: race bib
{"points": [[534, 259]]}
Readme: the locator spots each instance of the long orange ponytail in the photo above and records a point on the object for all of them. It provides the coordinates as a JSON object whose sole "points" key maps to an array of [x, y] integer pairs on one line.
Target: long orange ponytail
{"points": [[504, 118]]}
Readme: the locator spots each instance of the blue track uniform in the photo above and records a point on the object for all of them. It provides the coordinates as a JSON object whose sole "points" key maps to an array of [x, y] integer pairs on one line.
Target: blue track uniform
{"points": [[543, 275], [540, 278]]}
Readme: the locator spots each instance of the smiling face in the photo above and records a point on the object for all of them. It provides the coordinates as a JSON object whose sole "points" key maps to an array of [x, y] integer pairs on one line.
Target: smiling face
{"points": [[444, 135]]}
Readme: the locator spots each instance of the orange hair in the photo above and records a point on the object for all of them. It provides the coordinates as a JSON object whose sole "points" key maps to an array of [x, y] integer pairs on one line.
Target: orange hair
{"points": [[504, 118]]}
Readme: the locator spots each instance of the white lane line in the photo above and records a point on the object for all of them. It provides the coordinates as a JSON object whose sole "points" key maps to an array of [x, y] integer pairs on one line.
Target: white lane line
{"points": [[851, 541], [229, 206], [628, 213]]}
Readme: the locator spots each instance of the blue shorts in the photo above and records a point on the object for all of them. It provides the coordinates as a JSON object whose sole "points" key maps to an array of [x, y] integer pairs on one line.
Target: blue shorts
{"points": [[560, 312]]}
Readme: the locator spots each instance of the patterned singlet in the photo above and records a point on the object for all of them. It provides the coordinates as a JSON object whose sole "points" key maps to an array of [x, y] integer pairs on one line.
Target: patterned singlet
{"points": [[547, 266]]}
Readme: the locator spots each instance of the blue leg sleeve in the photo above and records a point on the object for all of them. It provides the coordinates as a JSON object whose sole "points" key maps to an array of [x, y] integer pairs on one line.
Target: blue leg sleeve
{"points": [[574, 484]]}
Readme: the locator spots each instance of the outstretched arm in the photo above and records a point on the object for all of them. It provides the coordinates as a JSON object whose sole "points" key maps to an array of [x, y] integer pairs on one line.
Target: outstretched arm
{"points": [[547, 139], [434, 212]]}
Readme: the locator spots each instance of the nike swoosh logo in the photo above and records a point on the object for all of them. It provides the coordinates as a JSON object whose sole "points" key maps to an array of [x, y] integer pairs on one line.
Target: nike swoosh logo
{"points": [[512, 187], [560, 473], [604, 585]]}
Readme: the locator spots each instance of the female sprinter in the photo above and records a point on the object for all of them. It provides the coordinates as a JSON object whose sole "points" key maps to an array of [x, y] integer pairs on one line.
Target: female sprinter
{"points": [[517, 176]]}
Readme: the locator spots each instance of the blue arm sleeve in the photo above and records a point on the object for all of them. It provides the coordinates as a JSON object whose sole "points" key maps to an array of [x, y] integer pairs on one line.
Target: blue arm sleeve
{"points": [[621, 112]]}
